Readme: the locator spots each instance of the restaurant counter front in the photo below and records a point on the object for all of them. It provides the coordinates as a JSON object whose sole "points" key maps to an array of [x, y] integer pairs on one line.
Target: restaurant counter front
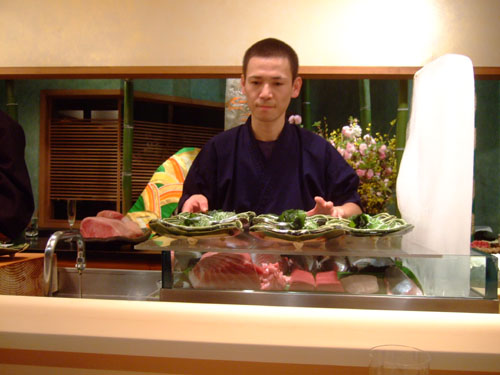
{"points": [[41, 335]]}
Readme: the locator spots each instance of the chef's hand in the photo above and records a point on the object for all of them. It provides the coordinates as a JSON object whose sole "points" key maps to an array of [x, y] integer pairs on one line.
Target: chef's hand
{"points": [[328, 208], [195, 203], [322, 207]]}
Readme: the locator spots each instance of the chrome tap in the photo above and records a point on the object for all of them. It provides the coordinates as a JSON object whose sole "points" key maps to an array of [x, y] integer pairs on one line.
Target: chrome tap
{"points": [[48, 259]]}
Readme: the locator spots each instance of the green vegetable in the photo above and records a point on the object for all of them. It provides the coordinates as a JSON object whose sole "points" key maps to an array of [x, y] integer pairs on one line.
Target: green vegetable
{"points": [[196, 220], [296, 218], [361, 221], [218, 215]]}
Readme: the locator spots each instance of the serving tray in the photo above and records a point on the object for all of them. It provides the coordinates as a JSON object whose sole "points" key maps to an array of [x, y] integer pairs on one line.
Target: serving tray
{"points": [[199, 225], [380, 225], [316, 228]]}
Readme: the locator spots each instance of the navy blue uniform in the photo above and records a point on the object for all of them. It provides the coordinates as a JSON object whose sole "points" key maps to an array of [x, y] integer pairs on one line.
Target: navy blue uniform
{"points": [[233, 173]]}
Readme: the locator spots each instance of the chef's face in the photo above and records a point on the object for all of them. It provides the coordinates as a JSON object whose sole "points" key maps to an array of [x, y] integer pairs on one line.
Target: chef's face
{"points": [[268, 85]]}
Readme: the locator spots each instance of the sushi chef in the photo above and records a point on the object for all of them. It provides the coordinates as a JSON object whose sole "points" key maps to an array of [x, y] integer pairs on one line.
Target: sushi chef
{"points": [[16, 196], [268, 165]]}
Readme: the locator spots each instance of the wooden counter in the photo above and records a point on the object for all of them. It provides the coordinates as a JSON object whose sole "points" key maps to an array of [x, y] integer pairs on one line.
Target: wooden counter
{"points": [[22, 274], [40, 335]]}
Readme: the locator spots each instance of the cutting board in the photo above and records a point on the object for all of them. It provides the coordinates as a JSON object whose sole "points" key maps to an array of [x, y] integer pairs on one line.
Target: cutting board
{"points": [[22, 274]]}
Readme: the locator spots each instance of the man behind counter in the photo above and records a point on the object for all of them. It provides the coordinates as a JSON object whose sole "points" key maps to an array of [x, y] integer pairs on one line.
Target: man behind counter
{"points": [[268, 165], [16, 196]]}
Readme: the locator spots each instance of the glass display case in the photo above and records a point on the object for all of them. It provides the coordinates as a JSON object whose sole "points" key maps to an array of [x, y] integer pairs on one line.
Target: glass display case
{"points": [[365, 272]]}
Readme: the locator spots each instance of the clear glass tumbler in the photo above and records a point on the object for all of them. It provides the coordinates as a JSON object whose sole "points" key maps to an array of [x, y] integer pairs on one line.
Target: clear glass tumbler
{"points": [[32, 229], [398, 360]]}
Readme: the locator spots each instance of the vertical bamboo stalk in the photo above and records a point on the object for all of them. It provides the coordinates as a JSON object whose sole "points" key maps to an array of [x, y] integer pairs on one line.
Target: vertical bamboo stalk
{"points": [[306, 105], [365, 103], [11, 100], [401, 123], [402, 120], [128, 136]]}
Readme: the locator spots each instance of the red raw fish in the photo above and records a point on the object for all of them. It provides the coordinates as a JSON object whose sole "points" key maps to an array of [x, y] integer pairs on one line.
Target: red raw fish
{"points": [[102, 226], [225, 271], [302, 280], [328, 281]]}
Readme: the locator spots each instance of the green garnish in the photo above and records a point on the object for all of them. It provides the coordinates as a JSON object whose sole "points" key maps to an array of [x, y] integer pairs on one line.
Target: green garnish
{"points": [[296, 218]]}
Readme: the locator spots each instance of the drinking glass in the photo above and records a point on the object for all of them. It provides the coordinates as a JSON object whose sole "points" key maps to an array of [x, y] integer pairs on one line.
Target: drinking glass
{"points": [[32, 229], [398, 360], [71, 212]]}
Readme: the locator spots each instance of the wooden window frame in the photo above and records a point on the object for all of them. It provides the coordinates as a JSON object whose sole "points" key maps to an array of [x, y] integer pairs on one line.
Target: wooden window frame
{"points": [[46, 96], [46, 220]]}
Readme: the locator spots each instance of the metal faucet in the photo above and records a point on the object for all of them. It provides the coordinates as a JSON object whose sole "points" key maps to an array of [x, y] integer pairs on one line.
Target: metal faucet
{"points": [[48, 259]]}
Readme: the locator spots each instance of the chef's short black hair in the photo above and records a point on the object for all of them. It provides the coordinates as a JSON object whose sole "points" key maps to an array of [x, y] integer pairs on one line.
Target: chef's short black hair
{"points": [[271, 47]]}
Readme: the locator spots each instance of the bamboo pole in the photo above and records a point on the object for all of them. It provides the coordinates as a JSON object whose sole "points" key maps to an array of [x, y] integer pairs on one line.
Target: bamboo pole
{"points": [[401, 123], [365, 103], [306, 105], [11, 100], [128, 136]]}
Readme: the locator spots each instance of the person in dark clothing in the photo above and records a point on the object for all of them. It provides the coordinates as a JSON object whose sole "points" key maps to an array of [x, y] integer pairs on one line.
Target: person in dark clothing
{"points": [[268, 165], [16, 197]]}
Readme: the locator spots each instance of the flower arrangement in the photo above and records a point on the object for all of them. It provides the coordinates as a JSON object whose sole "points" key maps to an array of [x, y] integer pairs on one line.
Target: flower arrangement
{"points": [[372, 157]]}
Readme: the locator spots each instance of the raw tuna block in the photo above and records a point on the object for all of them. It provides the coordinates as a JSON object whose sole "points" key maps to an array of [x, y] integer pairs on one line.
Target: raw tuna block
{"points": [[225, 271], [328, 281], [110, 214], [105, 227], [302, 280]]}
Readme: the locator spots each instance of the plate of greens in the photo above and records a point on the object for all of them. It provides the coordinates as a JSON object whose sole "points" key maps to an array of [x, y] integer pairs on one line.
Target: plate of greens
{"points": [[375, 225], [295, 226], [198, 225]]}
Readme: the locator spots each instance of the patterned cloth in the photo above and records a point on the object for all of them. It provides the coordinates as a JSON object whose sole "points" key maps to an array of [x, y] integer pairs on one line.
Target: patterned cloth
{"points": [[162, 193]]}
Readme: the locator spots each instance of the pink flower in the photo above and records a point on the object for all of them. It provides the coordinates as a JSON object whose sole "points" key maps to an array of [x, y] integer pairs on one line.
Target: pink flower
{"points": [[341, 151], [362, 148], [381, 155], [360, 172], [382, 148], [295, 119], [347, 131], [388, 171], [347, 155], [369, 173], [350, 147]]}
